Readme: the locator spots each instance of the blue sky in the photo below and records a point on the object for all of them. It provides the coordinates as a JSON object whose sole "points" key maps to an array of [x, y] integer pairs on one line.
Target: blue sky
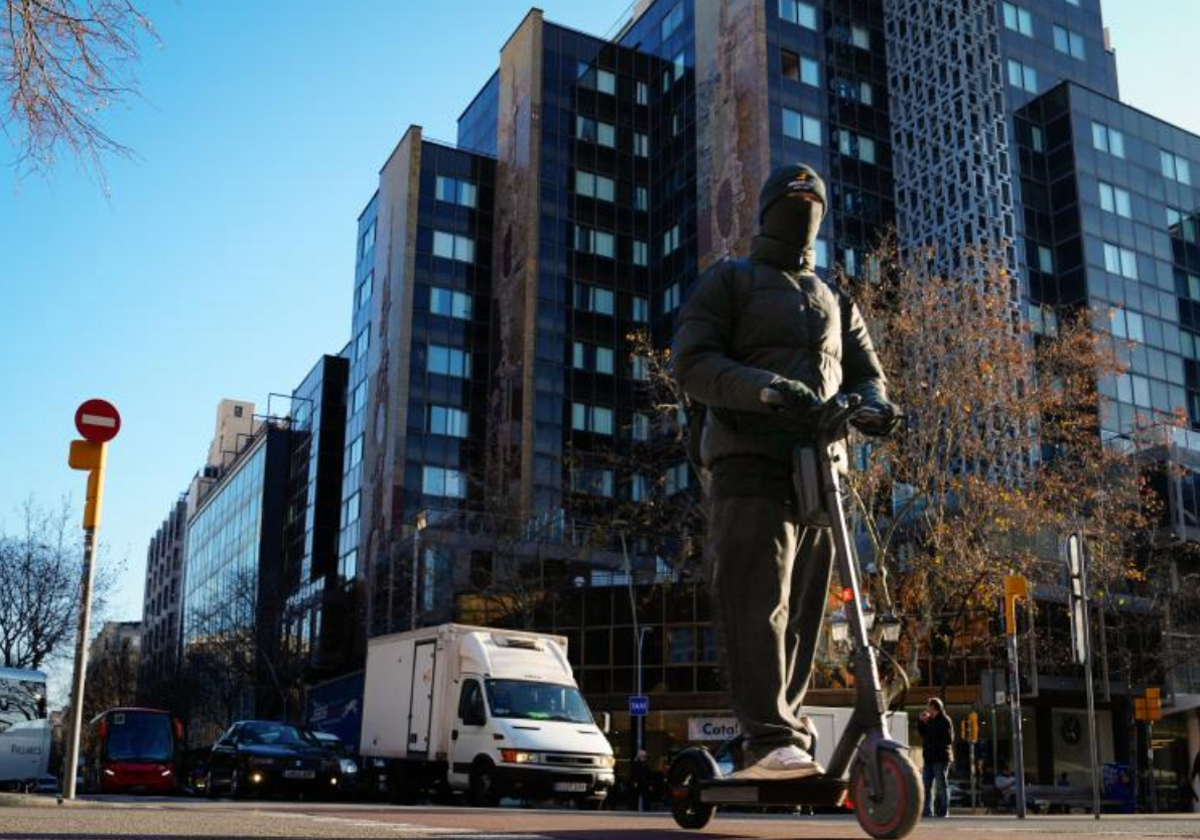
{"points": [[221, 263]]}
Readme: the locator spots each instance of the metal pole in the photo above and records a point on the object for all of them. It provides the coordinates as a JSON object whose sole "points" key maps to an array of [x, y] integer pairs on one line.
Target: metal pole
{"points": [[641, 729], [1014, 705], [1091, 693], [639, 720], [416, 570], [80, 675]]}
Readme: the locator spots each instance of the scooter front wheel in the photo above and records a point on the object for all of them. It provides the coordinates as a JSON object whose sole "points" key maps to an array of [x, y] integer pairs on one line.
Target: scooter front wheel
{"points": [[895, 811], [684, 776]]}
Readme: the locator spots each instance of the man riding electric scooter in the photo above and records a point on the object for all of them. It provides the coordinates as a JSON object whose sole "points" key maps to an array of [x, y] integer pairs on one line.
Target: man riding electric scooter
{"points": [[770, 323]]}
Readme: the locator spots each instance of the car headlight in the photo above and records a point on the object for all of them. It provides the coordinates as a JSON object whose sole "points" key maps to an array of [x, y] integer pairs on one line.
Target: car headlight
{"points": [[108, 772], [517, 756], [607, 761], [349, 768]]}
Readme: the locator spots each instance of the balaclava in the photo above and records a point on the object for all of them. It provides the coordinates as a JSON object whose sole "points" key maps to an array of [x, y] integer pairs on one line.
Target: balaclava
{"points": [[788, 225]]}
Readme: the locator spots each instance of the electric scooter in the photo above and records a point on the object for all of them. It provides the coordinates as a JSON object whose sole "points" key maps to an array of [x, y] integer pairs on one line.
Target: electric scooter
{"points": [[870, 767]]}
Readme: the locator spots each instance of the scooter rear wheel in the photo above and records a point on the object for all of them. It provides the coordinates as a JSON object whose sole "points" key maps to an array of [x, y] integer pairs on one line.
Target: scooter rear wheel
{"points": [[898, 807], [683, 790]]}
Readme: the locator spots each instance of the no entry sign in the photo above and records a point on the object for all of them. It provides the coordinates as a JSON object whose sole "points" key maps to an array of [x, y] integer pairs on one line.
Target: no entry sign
{"points": [[97, 421]]}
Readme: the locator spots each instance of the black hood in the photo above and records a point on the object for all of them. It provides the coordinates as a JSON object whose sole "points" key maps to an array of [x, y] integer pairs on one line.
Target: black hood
{"points": [[791, 207]]}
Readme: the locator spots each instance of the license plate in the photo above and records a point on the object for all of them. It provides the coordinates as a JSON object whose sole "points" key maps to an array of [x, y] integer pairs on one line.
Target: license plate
{"points": [[571, 787], [299, 774]]}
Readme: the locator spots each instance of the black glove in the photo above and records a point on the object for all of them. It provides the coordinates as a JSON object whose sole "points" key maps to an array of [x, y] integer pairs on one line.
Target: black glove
{"points": [[877, 418], [794, 399]]}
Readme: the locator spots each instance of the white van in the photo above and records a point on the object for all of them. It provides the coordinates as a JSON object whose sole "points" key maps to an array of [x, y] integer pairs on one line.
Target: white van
{"points": [[490, 712], [24, 731]]}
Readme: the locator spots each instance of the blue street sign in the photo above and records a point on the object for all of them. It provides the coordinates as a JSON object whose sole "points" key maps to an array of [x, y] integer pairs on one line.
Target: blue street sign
{"points": [[639, 705]]}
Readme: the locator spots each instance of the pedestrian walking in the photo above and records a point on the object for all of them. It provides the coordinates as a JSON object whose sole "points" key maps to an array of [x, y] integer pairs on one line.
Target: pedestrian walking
{"points": [[937, 744]]}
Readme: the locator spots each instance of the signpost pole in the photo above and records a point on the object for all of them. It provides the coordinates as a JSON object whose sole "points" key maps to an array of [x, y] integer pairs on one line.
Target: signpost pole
{"points": [[80, 674], [1015, 587], [1087, 677]]}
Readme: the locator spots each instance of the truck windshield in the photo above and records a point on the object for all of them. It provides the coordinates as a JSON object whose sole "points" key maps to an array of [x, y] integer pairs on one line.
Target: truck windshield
{"points": [[536, 701]]}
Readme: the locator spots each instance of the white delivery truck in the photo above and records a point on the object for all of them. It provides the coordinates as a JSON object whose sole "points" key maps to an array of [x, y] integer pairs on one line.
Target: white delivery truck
{"points": [[24, 730], [490, 712]]}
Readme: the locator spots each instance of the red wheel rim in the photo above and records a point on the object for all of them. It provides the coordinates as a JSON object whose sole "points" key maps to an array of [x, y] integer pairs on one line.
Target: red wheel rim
{"points": [[887, 765]]}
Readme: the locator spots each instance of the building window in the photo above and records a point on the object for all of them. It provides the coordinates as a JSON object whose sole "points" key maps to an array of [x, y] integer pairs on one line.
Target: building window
{"points": [[1175, 167], [641, 253], [368, 241], [672, 21], [1037, 139], [1128, 325], [455, 191], [1022, 76], [641, 310], [639, 488], [1120, 261], [641, 198], [606, 82], [594, 186], [641, 144], [1045, 260], [676, 478], [1018, 19], [448, 361], [594, 357], [671, 298], [593, 481], [591, 418], [365, 288], [670, 241], [354, 458], [1114, 200], [854, 90], [801, 127], [679, 65], [643, 93], [801, 14], [640, 369], [821, 254], [860, 37], [800, 68], [451, 246], [448, 421], [593, 299], [1068, 41], [1108, 140], [1043, 320], [641, 427], [593, 131], [359, 399], [439, 481], [350, 510], [450, 303], [362, 344], [598, 242], [856, 146]]}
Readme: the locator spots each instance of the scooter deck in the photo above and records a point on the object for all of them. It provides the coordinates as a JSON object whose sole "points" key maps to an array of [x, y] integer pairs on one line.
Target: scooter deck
{"points": [[813, 790]]}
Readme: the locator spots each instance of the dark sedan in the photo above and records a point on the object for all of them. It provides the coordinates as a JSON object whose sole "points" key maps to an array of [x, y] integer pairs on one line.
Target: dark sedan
{"points": [[257, 757]]}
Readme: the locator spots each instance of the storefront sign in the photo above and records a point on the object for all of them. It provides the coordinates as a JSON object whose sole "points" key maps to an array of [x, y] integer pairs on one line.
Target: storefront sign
{"points": [[712, 728]]}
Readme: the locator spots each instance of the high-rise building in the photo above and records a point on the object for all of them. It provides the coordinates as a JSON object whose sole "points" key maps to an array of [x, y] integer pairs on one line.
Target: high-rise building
{"points": [[161, 605]]}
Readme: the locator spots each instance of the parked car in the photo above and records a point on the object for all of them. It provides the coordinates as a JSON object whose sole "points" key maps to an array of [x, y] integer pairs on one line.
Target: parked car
{"points": [[258, 757], [349, 764]]}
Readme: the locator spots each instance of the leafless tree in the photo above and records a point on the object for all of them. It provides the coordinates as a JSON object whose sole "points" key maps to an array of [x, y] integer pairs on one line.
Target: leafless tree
{"points": [[39, 586], [112, 679], [62, 63]]}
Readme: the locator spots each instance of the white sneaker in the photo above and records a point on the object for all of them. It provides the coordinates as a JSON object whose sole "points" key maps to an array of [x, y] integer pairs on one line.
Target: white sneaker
{"points": [[788, 762]]}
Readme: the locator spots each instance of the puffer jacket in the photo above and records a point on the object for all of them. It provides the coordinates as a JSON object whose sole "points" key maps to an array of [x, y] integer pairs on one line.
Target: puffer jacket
{"points": [[736, 336]]}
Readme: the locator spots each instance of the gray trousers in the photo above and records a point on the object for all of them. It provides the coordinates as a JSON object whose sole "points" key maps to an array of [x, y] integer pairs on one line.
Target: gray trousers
{"points": [[770, 580]]}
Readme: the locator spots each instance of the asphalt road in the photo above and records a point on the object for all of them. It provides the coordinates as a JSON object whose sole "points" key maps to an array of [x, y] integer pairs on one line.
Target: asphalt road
{"points": [[166, 819]]}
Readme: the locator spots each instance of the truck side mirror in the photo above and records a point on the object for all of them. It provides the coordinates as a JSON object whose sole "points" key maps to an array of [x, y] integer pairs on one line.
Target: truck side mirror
{"points": [[605, 722]]}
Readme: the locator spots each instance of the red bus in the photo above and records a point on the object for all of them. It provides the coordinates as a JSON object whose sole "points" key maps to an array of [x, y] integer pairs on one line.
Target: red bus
{"points": [[132, 750]]}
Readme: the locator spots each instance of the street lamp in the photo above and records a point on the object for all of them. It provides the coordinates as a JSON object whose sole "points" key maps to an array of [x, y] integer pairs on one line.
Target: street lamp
{"points": [[839, 627], [889, 624]]}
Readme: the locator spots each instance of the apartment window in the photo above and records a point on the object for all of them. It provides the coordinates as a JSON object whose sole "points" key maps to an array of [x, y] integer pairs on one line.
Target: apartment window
{"points": [[801, 14], [593, 481], [1175, 167], [354, 456], [448, 361], [676, 479], [643, 93], [802, 127], [448, 421], [641, 427], [591, 418], [362, 344], [455, 191], [450, 303], [368, 241], [1018, 19], [1037, 139], [1045, 260], [593, 299], [1114, 200], [1043, 320], [856, 145], [670, 241], [641, 252], [1120, 261], [641, 144], [860, 37], [854, 90], [671, 298], [672, 21], [594, 131], [640, 369], [350, 510], [1022, 76], [606, 82], [641, 310], [439, 481], [679, 65], [592, 357], [639, 488], [1128, 325], [1108, 139], [800, 68], [589, 241], [358, 400], [1073, 2], [1068, 41], [451, 246], [365, 288], [594, 186]]}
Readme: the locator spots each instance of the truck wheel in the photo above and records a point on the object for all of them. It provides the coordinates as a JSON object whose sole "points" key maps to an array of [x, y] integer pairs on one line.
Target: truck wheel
{"points": [[482, 792], [896, 811]]}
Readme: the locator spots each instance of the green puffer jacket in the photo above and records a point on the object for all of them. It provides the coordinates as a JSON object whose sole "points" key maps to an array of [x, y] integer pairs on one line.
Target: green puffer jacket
{"points": [[750, 323]]}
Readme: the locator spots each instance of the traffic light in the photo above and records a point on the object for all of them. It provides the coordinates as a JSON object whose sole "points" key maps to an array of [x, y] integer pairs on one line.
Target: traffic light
{"points": [[968, 728], [89, 456], [1153, 704]]}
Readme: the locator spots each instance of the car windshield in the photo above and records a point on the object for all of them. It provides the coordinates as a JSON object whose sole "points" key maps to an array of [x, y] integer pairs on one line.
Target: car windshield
{"points": [[276, 735], [139, 736], [536, 701]]}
